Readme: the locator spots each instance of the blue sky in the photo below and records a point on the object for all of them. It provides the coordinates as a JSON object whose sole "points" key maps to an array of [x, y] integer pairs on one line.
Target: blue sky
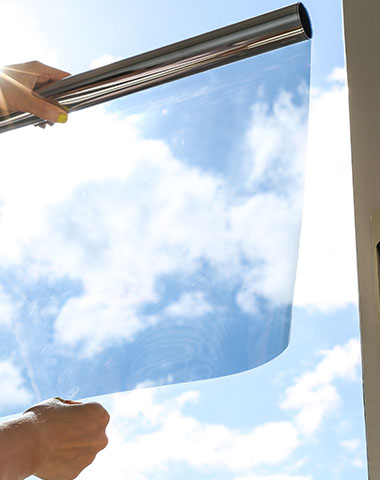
{"points": [[298, 417]]}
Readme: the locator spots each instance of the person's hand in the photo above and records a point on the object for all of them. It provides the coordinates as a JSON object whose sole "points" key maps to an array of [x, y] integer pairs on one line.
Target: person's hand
{"points": [[16, 90], [68, 437]]}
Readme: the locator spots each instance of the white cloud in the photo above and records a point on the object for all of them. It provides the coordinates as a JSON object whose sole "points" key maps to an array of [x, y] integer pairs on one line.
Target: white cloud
{"points": [[27, 45], [120, 214], [358, 463], [150, 438], [189, 305], [147, 437], [313, 394], [155, 383], [12, 387], [339, 74], [8, 309], [354, 449], [267, 230], [326, 276], [276, 142], [275, 477], [351, 445], [105, 59]]}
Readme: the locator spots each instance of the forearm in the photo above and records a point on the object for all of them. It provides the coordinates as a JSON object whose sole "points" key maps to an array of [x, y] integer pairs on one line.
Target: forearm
{"points": [[18, 448]]}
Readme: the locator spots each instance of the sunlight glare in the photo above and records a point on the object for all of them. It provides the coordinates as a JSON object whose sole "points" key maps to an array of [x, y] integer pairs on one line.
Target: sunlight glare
{"points": [[25, 41]]}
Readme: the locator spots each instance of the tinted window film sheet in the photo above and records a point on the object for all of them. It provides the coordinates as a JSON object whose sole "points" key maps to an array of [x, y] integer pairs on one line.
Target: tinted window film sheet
{"points": [[154, 239]]}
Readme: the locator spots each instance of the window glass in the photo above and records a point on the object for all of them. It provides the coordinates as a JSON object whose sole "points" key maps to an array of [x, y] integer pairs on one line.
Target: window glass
{"points": [[297, 417]]}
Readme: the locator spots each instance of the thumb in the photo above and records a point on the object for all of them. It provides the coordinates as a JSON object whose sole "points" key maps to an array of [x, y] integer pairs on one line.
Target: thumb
{"points": [[46, 110]]}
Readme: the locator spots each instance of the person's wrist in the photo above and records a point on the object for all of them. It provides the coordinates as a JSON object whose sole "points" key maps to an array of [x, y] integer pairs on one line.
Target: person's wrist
{"points": [[31, 434], [20, 449]]}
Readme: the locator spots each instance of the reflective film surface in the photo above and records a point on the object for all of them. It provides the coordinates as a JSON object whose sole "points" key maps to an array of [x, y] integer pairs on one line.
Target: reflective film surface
{"points": [[154, 240]]}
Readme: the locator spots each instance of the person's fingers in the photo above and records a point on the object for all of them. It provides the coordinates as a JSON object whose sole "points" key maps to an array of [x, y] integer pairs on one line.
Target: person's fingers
{"points": [[103, 442], [97, 412], [47, 77], [41, 125], [55, 74], [45, 110], [34, 73], [39, 68], [42, 80], [84, 462], [45, 72]]}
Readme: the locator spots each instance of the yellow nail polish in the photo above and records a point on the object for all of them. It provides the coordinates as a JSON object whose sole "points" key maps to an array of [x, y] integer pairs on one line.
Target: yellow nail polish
{"points": [[62, 118]]}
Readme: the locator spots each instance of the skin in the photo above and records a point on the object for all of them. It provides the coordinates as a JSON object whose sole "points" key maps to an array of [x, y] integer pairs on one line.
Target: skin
{"points": [[17, 83], [54, 440]]}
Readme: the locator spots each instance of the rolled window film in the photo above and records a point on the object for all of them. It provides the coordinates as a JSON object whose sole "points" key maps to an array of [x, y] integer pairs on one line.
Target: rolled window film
{"points": [[251, 37], [160, 245]]}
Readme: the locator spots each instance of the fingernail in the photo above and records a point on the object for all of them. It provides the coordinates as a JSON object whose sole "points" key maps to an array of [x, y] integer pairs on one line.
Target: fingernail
{"points": [[62, 118], [68, 402], [65, 108]]}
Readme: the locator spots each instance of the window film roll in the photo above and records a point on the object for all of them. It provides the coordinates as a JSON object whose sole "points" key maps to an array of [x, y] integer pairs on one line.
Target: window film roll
{"points": [[160, 244], [251, 37]]}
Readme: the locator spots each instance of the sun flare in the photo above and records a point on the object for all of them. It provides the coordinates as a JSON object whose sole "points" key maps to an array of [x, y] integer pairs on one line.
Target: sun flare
{"points": [[25, 40]]}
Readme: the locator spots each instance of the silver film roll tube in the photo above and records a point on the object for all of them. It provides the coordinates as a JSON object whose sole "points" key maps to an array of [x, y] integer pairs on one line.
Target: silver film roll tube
{"points": [[241, 40]]}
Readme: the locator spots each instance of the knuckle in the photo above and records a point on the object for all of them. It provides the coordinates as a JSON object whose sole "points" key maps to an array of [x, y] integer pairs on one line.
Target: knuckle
{"points": [[44, 107], [99, 411], [86, 460], [37, 107], [76, 473], [106, 417], [94, 407], [83, 462], [90, 459], [103, 442], [28, 65]]}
